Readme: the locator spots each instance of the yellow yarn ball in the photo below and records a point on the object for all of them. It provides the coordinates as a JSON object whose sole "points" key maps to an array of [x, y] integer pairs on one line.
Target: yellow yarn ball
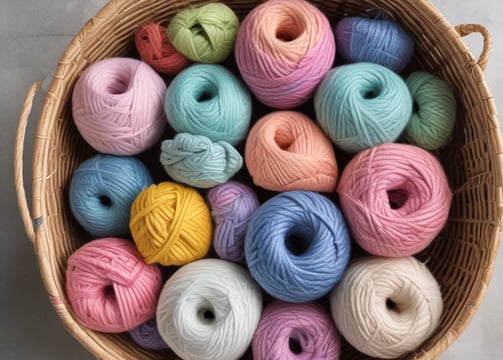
{"points": [[171, 224]]}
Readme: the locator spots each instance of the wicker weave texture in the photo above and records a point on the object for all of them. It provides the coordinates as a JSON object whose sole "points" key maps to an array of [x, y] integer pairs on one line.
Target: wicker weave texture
{"points": [[462, 256]]}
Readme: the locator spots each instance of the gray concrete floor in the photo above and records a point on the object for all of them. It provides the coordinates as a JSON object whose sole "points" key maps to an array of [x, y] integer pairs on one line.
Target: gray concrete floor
{"points": [[33, 34]]}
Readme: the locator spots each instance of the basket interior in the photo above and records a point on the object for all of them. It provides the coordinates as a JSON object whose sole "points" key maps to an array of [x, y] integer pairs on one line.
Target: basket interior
{"points": [[461, 257]]}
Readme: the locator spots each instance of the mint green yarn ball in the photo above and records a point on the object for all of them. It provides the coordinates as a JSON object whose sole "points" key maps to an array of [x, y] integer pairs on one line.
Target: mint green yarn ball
{"points": [[196, 161], [204, 34], [209, 100], [362, 105], [434, 116]]}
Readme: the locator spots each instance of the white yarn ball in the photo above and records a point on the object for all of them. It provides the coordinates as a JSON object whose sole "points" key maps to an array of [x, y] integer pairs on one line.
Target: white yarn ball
{"points": [[209, 309], [386, 307]]}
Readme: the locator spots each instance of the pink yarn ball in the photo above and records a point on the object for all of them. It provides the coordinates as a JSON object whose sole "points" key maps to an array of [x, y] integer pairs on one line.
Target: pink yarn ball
{"points": [[395, 198], [118, 106], [295, 331], [110, 288], [283, 50]]}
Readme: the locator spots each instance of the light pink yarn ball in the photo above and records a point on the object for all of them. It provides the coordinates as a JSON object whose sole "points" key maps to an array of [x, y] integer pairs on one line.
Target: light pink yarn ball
{"points": [[395, 198], [117, 106], [110, 288]]}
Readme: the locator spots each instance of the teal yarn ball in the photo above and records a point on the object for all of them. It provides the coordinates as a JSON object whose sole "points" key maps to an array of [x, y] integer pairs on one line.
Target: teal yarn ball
{"points": [[209, 100], [197, 161], [102, 190], [434, 114], [362, 105]]}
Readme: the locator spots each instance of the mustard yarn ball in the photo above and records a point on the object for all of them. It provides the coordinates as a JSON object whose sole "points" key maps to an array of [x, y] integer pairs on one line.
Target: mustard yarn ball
{"points": [[204, 34], [171, 224]]}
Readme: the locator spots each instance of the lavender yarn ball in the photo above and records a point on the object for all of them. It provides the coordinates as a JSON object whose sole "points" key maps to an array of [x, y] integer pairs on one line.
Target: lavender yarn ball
{"points": [[147, 336], [232, 205]]}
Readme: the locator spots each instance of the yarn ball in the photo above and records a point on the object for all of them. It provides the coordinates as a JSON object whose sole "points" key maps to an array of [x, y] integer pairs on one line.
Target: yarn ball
{"points": [[117, 106], [297, 246], [386, 307], [362, 105], [379, 41], [295, 331], [204, 34], [209, 310], [209, 100], [286, 150], [283, 50], [171, 224], [434, 116], [232, 205], [396, 199], [102, 190], [155, 49], [197, 161], [146, 335], [109, 286]]}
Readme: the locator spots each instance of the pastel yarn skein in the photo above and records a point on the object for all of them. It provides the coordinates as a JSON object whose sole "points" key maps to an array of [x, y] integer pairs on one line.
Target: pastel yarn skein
{"points": [[297, 246], [286, 150], [209, 100], [117, 106], [197, 161], [102, 190], [386, 307], [396, 199], [147, 336], [209, 310], [362, 105], [283, 50]]}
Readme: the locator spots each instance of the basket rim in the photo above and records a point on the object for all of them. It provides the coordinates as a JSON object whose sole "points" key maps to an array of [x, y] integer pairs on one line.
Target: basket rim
{"points": [[41, 161]]}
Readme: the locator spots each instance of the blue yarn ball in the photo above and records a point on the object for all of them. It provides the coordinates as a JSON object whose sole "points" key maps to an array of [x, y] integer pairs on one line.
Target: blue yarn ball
{"points": [[197, 161], [297, 246], [378, 41], [102, 190], [209, 100], [362, 105]]}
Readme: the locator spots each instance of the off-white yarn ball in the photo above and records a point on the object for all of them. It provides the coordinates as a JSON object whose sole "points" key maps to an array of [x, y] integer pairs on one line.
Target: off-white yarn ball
{"points": [[209, 310], [386, 307]]}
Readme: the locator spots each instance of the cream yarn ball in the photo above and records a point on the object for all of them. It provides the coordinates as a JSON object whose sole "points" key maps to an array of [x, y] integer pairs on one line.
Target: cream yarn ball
{"points": [[386, 307], [209, 310]]}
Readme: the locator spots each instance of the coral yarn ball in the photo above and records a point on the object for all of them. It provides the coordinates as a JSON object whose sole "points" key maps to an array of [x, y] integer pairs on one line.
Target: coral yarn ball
{"points": [[171, 224], [117, 106]]}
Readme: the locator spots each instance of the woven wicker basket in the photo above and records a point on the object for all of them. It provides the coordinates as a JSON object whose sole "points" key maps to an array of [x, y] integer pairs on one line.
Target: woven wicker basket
{"points": [[461, 258]]}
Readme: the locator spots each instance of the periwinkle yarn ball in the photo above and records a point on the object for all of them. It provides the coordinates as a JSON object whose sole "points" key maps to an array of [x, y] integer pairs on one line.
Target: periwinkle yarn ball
{"points": [[362, 105], [209, 100], [297, 246], [395, 198], [386, 307], [117, 106], [209, 310], [379, 41], [102, 190]]}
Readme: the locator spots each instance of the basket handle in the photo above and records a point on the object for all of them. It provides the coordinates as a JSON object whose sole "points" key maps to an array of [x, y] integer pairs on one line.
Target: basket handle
{"points": [[18, 161], [467, 29]]}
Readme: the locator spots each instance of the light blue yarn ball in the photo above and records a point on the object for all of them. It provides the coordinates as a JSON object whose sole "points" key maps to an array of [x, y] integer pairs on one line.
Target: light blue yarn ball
{"points": [[378, 41], [209, 100], [197, 161], [102, 190], [297, 246], [362, 105]]}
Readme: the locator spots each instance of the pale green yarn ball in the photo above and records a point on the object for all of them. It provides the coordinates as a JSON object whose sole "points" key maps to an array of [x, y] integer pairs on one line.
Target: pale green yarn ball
{"points": [[204, 34], [434, 116]]}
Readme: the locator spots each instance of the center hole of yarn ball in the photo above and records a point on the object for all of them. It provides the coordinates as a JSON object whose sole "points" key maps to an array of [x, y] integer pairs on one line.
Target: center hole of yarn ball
{"points": [[283, 141], [105, 200], [295, 346], [289, 29], [206, 315], [198, 30], [296, 244], [397, 198], [207, 94], [119, 85], [392, 306], [109, 292]]}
